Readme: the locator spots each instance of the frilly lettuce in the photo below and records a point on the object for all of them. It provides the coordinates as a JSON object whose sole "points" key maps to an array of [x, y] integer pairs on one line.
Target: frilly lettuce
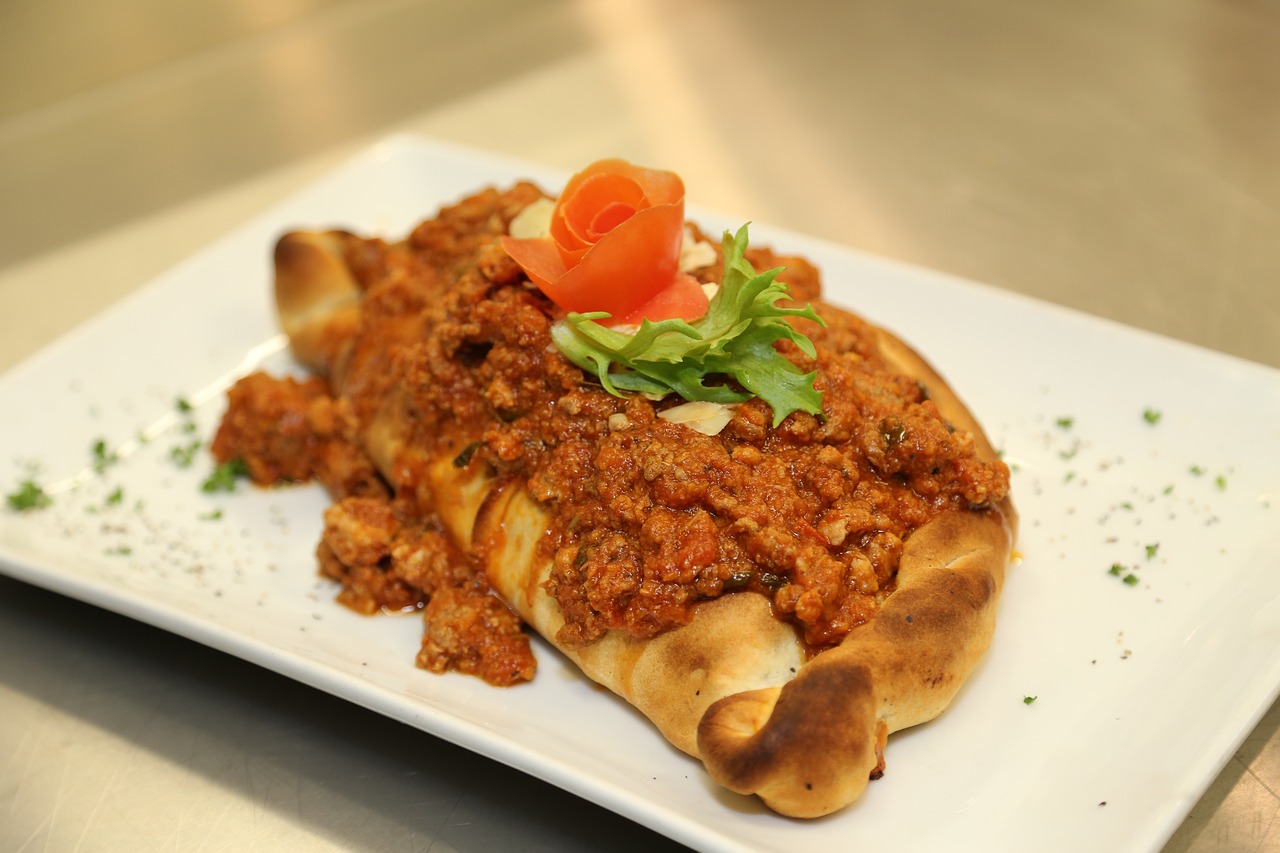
{"points": [[734, 340]]}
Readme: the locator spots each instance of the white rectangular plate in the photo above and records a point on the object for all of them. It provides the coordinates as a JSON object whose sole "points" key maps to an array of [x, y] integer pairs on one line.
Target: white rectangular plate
{"points": [[1141, 689]]}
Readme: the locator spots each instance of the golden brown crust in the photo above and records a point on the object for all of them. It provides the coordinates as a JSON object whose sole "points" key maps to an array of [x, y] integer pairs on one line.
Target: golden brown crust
{"points": [[317, 298], [733, 686], [808, 748]]}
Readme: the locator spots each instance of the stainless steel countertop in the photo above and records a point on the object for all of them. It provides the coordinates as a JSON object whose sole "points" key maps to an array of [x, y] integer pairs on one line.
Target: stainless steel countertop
{"points": [[1121, 159]]}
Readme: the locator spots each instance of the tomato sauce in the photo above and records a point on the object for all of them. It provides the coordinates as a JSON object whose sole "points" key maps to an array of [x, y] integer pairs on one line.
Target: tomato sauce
{"points": [[454, 358]]}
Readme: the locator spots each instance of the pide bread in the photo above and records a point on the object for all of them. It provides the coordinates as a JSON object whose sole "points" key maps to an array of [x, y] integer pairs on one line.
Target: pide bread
{"points": [[778, 577]]}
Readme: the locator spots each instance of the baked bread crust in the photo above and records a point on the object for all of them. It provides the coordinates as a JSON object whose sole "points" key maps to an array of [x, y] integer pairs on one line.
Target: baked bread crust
{"points": [[317, 298], [734, 687]]}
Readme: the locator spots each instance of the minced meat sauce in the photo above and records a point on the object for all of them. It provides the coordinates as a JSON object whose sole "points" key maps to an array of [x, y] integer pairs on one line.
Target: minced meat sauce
{"points": [[648, 517]]}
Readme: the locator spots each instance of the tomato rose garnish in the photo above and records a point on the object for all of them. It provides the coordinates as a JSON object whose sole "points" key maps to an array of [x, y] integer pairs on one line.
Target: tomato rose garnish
{"points": [[614, 245]]}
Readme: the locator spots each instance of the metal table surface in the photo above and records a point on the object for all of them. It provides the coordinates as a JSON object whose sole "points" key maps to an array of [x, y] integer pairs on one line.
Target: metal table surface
{"points": [[1122, 159]]}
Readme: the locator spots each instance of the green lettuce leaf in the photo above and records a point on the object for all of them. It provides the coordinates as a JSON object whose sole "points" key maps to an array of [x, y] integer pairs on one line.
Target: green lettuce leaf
{"points": [[734, 340]]}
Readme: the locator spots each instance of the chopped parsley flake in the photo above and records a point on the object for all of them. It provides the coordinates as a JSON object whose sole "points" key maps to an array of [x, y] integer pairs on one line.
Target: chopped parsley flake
{"points": [[184, 455], [1152, 416], [1065, 423], [116, 498], [1027, 700], [1126, 576], [103, 456], [1152, 549], [1221, 481], [1197, 470], [224, 477], [215, 515], [28, 496], [183, 406]]}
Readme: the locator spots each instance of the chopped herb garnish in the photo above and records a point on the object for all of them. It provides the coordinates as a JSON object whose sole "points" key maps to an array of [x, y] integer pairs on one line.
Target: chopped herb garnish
{"points": [[1065, 423], [28, 496], [184, 455], [1221, 482], [774, 582], [224, 477], [1128, 577], [214, 515], [1152, 416], [103, 456], [119, 550], [1027, 700], [1197, 470], [116, 498], [463, 459], [734, 340], [183, 406], [1152, 549]]}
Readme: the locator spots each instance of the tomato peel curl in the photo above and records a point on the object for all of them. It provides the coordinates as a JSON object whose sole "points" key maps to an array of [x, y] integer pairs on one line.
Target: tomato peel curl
{"points": [[538, 257], [626, 268], [684, 299], [614, 245]]}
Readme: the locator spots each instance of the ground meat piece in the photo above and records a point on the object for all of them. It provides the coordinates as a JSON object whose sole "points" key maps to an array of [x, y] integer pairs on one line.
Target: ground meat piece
{"points": [[291, 430], [425, 557], [460, 234], [359, 530], [594, 580], [355, 550], [386, 564], [470, 631], [368, 588]]}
